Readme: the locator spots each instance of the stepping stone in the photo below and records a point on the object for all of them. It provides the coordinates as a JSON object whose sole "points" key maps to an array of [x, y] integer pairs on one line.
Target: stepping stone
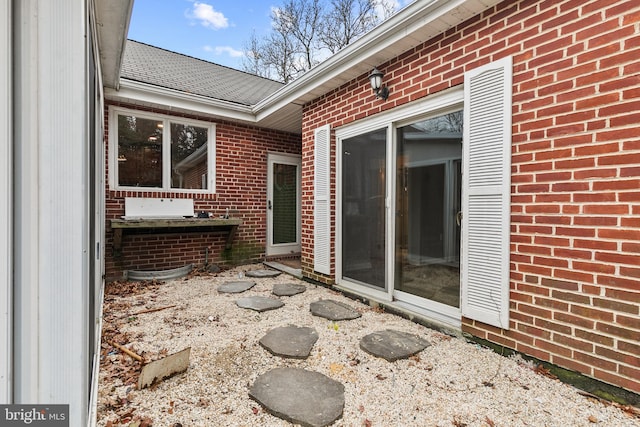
{"points": [[290, 341], [262, 273], [259, 303], [235, 287], [299, 396], [393, 345], [333, 310], [288, 289]]}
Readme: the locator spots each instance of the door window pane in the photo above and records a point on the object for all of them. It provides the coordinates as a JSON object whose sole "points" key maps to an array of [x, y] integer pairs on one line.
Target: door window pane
{"points": [[188, 156], [139, 152], [428, 208], [285, 203], [363, 208]]}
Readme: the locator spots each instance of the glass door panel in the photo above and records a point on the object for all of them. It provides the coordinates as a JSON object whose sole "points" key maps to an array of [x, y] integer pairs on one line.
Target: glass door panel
{"points": [[428, 176], [363, 208], [285, 203]]}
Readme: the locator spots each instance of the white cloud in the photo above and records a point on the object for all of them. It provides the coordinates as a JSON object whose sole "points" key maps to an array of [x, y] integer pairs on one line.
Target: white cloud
{"points": [[224, 50], [207, 16]]}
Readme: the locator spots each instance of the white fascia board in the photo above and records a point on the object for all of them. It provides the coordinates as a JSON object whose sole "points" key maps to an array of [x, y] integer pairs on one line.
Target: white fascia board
{"points": [[112, 18], [173, 99], [367, 51]]}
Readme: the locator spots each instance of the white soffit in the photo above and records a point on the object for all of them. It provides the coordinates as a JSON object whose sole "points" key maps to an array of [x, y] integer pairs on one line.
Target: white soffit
{"points": [[112, 24]]}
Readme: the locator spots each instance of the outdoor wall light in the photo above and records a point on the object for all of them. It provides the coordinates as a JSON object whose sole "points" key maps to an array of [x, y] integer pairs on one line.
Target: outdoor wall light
{"points": [[375, 78]]}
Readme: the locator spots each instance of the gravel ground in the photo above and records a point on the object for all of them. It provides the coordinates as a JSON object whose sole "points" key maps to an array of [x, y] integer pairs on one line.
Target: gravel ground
{"points": [[450, 383]]}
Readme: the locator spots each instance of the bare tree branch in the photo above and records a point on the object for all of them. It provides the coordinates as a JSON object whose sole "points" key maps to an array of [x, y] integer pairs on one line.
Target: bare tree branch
{"points": [[303, 31], [253, 60], [346, 21]]}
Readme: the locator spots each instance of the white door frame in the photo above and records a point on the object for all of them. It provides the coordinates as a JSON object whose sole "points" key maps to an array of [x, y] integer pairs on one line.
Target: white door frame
{"points": [[283, 248], [447, 101]]}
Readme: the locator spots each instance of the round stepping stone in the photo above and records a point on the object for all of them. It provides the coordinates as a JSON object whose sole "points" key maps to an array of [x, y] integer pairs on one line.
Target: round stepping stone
{"points": [[288, 289], [333, 310], [299, 396], [262, 273], [393, 345], [259, 303], [235, 287], [290, 341]]}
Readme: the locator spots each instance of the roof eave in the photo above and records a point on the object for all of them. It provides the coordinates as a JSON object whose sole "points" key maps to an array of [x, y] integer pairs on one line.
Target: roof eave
{"points": [[282, 110], [413, 25], [112, 25], [135, 92]]}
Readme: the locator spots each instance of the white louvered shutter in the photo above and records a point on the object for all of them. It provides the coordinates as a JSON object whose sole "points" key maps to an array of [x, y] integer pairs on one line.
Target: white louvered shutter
{"points": [[321, 193], [486, 193]]}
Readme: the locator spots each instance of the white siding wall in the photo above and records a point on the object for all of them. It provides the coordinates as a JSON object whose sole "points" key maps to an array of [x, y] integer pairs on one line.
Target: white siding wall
{"points": [[51, 205], [6, 204]]}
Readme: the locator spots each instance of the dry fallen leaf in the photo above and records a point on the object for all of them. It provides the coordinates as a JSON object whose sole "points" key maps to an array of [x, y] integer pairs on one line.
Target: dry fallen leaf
{"points": [[544, 371], [489, 421], [336, 368], [592, 419], [458, 423]]}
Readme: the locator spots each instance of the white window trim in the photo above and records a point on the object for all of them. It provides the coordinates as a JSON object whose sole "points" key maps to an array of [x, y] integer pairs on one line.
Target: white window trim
{"points": [[166, 184]]}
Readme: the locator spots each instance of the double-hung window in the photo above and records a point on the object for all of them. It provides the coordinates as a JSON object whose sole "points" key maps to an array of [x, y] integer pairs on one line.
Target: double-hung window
{"points": [[155, 152]]}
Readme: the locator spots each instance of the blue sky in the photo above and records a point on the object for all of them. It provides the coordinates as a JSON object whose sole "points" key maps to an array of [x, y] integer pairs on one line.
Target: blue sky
{"points": [[213, 30]]}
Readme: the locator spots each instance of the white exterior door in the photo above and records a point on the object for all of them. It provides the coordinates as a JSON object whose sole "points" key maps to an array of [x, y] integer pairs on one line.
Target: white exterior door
{"points": [[283, 204]]}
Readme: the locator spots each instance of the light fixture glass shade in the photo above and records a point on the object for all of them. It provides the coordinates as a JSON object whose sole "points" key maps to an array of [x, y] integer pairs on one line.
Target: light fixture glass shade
{"points": [[375, 78]]}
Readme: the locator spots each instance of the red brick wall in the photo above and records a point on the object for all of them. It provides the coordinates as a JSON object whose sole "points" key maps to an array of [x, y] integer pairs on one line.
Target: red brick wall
{"points": [[575, 226], [241, 187], [193, 176]]}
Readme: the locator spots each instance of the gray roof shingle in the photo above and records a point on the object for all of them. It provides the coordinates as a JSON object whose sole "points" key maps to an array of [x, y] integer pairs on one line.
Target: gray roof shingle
{"points": [[160, 67]]}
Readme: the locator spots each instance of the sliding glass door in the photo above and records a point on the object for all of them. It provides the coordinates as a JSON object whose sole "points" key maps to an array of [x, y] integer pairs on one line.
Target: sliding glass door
{"points": [[428, 190], [412, 256], [363, 208]]}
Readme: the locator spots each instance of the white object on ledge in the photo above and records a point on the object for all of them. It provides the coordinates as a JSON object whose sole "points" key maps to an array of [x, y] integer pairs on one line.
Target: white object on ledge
{"points": [[146, 207]]}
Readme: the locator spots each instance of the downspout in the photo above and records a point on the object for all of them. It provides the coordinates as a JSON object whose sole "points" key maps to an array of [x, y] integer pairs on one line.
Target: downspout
{"points": [[180, 177]]}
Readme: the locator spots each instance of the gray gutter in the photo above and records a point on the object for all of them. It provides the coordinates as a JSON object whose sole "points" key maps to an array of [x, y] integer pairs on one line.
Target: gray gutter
{"points": [[112, 25]]}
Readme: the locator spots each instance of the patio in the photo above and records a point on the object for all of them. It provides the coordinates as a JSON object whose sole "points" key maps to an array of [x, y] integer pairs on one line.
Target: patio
{"points": [[450, 382]]}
